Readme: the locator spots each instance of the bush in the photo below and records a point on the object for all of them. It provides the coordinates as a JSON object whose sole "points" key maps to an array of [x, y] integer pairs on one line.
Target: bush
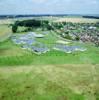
{"points": [[77, 38]]}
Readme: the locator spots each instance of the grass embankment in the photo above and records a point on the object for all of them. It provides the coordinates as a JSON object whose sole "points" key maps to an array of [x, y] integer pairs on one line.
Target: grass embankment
{"points": [[50, 82]]}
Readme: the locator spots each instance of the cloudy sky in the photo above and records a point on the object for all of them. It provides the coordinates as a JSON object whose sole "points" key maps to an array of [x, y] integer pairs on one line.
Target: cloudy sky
{"points": [[49, 7]]}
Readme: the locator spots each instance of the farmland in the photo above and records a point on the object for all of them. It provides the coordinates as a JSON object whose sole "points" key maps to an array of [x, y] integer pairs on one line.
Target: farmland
{"points": [[54, 75], [77, 20]]}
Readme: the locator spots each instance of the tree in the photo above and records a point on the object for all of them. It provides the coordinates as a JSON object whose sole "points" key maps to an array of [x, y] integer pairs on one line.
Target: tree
{"points": [[14, 28]]}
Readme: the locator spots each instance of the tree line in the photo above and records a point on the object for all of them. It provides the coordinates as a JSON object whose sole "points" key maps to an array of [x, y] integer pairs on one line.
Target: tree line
{"points": [[30, 24]]}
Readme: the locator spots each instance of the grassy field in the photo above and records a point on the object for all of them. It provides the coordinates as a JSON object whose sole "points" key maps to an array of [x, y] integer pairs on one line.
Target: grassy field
{"points": [[5, 32], [50, 82], [6, 21], [51, 76]]}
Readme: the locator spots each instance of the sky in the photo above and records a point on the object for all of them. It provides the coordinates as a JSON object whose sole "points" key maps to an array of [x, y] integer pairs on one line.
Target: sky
{"points": [[49, 7]]}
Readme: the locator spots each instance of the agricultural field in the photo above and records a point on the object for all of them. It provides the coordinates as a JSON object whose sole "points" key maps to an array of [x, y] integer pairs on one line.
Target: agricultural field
{"points": [[77, 20], [44, 64]]}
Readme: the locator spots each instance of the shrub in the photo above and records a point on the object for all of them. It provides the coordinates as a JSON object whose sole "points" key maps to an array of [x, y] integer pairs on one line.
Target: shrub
{"points": [[77, 38]]}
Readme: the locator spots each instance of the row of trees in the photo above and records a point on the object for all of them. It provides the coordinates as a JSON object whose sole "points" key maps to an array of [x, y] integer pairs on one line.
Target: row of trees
{"points": [[32, 23]]}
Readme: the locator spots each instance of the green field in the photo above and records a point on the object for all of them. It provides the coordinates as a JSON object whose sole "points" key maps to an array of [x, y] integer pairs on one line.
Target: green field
{"points": [[54, 75], [50, 82]]}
